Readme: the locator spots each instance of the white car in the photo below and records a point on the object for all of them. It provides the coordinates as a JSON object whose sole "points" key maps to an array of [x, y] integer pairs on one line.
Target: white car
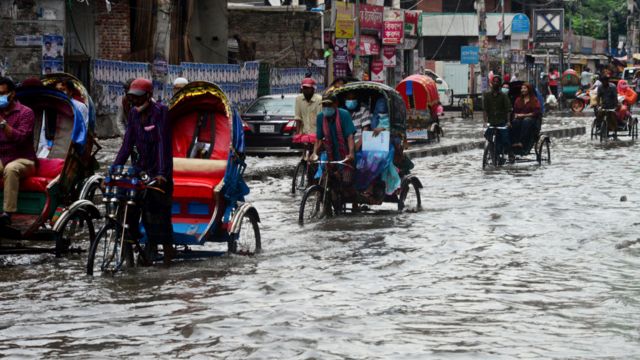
{"points": [[445, 93]]}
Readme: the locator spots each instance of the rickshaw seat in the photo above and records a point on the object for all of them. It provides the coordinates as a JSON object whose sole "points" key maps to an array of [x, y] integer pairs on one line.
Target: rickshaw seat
{"points": [[196, 178], [46, 171]]}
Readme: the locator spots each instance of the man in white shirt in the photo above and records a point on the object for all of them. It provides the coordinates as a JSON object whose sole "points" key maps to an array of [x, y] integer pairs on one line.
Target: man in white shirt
{"points": [[308, 106], [69, 88], [585, 78]]}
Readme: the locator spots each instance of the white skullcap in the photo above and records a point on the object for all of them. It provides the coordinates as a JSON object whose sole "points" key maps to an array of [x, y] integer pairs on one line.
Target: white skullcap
{"points": [[180, 81]]}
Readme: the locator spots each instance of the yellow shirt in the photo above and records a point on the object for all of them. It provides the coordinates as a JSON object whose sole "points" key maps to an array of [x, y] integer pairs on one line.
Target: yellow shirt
{"points": [[306, 111]]}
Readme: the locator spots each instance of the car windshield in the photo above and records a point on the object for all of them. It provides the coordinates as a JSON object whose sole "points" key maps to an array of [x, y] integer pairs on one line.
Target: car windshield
{"points": [[273, 106]]}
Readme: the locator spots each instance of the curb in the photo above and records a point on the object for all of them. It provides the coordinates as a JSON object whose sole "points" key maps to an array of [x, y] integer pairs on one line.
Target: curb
{"points": [[428, 150]]}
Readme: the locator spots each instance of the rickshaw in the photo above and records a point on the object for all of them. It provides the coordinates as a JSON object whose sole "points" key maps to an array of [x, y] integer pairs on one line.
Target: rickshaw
{"points": [[50, 80], [539, 143], [420, 96], [55, 204], [329, 197], [208, 188], [570, 81]]}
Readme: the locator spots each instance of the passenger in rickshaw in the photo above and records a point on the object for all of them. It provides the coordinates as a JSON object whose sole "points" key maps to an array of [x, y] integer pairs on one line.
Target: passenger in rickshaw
{"points": [[607, 100], [360, 115], [335, 131], [526, 113], [497, 108], [17, 156], [373, 165], [630, 98], [69, 88], [148, 131]]}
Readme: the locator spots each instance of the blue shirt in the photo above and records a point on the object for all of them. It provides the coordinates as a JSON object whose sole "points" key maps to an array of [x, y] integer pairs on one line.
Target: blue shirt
{"points": [[150, 133], [347, 129]]}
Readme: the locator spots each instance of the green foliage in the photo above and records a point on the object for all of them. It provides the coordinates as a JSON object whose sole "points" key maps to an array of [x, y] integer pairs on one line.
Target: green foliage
{"points": [[589, 17]]}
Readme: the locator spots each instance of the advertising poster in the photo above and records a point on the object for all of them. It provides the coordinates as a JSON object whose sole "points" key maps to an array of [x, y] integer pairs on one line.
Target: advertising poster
{"points": [[52, 47], [411, 19], [377, 71], [393, 27], [345, 26], [368, 46], [389, 56], [371, 17]]}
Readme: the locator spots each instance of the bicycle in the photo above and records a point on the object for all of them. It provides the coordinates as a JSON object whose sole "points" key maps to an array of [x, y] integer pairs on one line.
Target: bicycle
{"points": [[116, 243], [303, 173], [602, 122], [491, 155], [319, 196]]}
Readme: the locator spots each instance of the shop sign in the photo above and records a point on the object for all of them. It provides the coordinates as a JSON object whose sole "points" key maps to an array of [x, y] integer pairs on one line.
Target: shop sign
{"points": [[411, 19], [368, 45], [371, 17], [341, 52], [377, 71], [389, 56], [344, 20], [393, 27], [469, 55]]}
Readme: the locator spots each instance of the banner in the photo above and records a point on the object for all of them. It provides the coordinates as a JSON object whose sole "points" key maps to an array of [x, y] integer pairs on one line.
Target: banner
{"points": [[377, 71], [368, 45], [344, 20], [371, 17], [411, 19], [393, 27], [389, 56]]}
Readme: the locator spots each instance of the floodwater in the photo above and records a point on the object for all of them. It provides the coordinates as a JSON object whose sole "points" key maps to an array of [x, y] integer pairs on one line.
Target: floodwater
{"points": [[525, 262]]}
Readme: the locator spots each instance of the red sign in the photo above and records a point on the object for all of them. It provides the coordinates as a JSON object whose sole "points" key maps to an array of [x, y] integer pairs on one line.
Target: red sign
{"points": [[393, 27], [411, 22], [389, 56], [377, 71], [371, 17], [368, 45]]}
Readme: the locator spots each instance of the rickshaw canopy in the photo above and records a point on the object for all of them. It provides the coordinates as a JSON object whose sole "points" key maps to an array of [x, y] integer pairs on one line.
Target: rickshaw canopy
{"points": [[371, 92], [419, 92], [570, 77]]}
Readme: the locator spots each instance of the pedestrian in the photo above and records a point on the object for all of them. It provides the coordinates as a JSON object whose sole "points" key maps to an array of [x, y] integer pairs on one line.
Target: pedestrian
{"points": [[179, 83], [586, 77], [125, 107], [497, 108], [148, 132], [554, 77], [17, 155]]}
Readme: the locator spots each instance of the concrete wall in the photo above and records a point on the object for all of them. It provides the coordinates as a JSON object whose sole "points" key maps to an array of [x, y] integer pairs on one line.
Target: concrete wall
{"points": [[27, 17], [209, 32], [285, 37]]}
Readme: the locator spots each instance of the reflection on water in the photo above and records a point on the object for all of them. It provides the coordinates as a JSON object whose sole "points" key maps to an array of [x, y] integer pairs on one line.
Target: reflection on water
{"points": [[528, 261]]}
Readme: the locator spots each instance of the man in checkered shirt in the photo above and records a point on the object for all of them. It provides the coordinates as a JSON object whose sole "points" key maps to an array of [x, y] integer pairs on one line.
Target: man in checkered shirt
{"points": [[360, 115]]}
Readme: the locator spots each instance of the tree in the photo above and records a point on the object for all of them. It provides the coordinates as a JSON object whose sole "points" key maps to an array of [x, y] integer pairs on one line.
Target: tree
{"points": [[589, 17]]}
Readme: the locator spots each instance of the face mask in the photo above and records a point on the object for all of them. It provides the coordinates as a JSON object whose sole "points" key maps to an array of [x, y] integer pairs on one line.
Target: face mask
{"points": [[505, 90], [351, 104], [142, 107], [328, 111], [4, 101]]}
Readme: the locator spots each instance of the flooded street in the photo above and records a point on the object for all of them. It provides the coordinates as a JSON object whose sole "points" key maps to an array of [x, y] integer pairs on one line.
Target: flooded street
{"points": [[527, 261]]}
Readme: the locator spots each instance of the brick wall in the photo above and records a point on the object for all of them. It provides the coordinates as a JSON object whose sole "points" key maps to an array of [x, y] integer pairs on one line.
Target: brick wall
{"points": [[283, 38], [113, 31]]}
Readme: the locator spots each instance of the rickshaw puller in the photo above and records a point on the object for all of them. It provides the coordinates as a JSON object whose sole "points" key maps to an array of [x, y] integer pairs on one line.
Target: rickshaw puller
{"points": [[497, 108], [335, 131], [608, 99], [149, 132], [17, 155]]}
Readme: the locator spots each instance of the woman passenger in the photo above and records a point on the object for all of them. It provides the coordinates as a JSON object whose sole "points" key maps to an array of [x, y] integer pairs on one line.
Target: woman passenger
{"points": [[526, 111]]}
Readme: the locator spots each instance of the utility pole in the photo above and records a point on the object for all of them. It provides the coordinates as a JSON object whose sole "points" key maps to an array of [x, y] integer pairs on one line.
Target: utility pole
{"points": [[502, 39], [482, 44], [609, 33], [356, 62]]}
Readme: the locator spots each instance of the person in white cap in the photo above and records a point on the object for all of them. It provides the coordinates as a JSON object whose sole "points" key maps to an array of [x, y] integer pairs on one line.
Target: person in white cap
{"points": [[179, 83]]}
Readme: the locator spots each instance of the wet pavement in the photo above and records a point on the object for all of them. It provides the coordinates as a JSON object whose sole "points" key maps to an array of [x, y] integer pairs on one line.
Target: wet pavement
{"points": [[524, 262]]}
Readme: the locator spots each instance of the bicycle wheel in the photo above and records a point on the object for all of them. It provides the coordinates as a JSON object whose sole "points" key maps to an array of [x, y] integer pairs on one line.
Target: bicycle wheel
{"points": [[604, 130], [299, 181], [409, 199], [247, 240], [76, 234], [489, 157], [106, 254], [312, 206]]}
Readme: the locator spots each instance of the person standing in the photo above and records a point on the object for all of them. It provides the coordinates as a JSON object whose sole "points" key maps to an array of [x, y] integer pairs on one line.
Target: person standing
{"points": [[125, 108], [17, 155], [554, 77], [497, 108], [307, 106], [179, 83], [586, 77], [148, 131]]}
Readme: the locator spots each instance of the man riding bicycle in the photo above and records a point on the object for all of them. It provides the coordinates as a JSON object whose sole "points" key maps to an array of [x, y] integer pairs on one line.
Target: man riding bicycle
{"points": [[607, 100], [497, 109], [149, 133]]}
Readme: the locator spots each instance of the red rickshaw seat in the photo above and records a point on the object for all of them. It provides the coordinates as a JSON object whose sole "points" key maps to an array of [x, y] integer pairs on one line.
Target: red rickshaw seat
{"points": [[196, 178], [46, 171]]}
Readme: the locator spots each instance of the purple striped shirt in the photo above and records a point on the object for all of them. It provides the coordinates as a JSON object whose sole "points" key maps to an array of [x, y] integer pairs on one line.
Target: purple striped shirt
{"points": [[150, 133], [20, 144]]}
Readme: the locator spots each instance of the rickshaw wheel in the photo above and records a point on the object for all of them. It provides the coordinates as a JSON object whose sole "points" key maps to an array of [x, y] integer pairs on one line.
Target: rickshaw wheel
{"points": [[311, 206], [489, 157], [604, 130], [105, 253], [409, 199], [299, 177], [634, 128], [594, 128], [76, 234], [247, 240], [95, 194], [577, 105]]}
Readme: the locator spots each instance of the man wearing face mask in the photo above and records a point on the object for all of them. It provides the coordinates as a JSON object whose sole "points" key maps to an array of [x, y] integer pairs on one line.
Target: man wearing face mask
{"points": [[17, 156], [335, 131], [308, 106], [149, 132], [497, 109]]}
